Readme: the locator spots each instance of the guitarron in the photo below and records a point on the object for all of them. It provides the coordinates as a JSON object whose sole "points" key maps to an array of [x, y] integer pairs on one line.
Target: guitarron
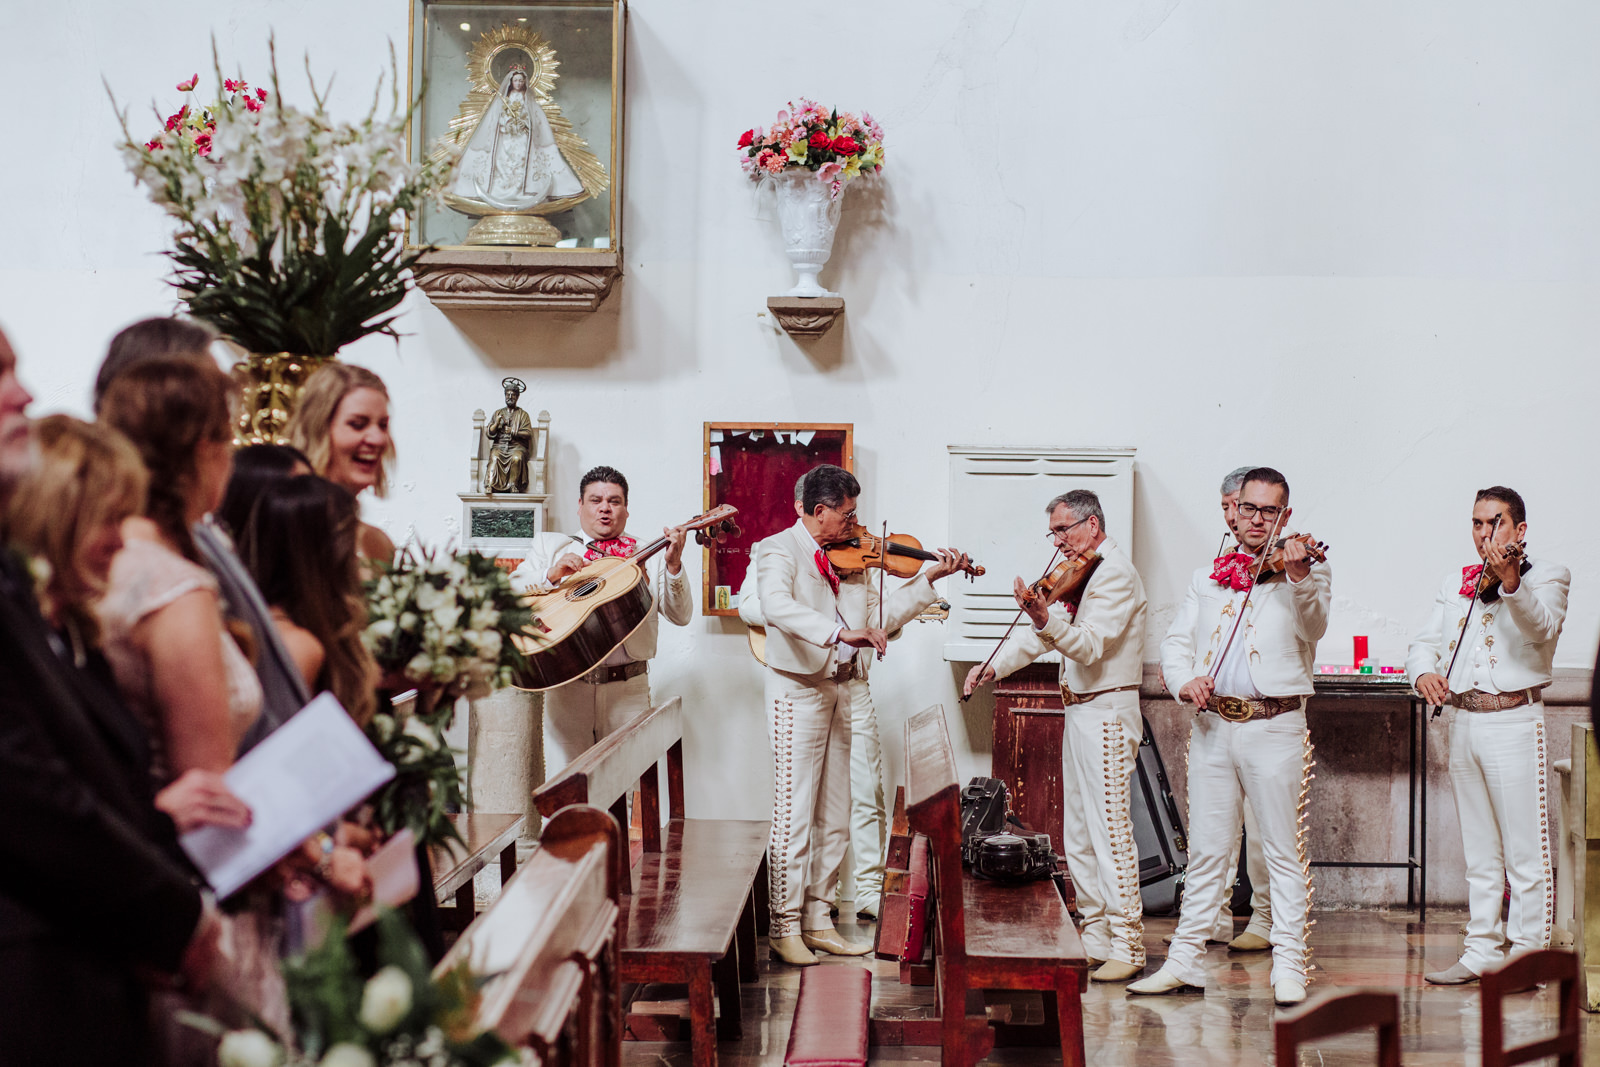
{"points": [[581, 621]]}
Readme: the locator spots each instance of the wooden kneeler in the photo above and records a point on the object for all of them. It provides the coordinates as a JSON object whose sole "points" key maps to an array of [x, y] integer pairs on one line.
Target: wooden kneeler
{"points": [[831, 1017]]}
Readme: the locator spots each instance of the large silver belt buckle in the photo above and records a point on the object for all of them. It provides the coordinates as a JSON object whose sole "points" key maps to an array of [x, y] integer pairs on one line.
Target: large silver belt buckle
{"points": [[1233, 709]]}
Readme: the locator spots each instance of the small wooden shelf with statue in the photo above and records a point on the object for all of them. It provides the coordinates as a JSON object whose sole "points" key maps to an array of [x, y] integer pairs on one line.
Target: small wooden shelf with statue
{"points": [[524, 101]]}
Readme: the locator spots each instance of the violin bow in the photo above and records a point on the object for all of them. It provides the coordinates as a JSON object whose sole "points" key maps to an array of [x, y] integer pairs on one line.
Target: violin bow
{"points": [[996, 650], [883, 547], [1466, 620]]}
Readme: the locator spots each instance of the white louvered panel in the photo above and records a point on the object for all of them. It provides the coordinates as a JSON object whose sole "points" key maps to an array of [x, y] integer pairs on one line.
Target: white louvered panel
{"points": [[997, 499]]}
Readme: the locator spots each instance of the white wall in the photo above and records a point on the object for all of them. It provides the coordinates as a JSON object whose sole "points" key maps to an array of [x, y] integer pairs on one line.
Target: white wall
{"points": [[1358, 242]]}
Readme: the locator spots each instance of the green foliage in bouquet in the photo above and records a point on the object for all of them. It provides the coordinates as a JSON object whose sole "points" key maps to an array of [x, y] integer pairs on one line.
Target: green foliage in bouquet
{"points": [[427, 785], [291, 226], [401, 1015]]}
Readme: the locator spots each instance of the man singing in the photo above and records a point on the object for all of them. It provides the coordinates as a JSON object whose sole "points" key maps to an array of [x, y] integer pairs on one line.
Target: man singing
{"points": [[1506, 612], [1102, 659], [587, 709], [1241, 653], [817, 625]]}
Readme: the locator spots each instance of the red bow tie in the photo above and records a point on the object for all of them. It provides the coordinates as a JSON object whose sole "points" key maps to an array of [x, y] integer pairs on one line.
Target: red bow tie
{"points": [[621, 547], [825, 568], [1232, 571], [1469, 579]]}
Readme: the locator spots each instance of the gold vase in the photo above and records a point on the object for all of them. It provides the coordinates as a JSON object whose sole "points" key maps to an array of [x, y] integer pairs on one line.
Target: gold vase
{"points": [[269, 387]]}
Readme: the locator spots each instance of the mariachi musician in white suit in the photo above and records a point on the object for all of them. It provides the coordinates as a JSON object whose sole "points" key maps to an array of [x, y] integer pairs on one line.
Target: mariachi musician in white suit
{"points": [[1499, 761], [583, 711], [1101, 642], [817, 624], [869, 814], [1246, 666]]}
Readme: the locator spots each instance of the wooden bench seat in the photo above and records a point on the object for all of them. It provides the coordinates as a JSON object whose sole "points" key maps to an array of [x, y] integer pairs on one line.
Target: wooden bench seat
{"points": [[1011, 936], [548, 948], [457, 863], [696, 899]]}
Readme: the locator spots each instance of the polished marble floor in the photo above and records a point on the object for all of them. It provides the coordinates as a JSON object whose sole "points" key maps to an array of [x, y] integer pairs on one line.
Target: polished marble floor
{"points": [[1231, 1024]]}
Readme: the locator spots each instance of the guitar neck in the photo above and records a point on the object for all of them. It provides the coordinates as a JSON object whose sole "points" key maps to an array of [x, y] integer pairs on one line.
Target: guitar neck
{"points": [[649, 550]]}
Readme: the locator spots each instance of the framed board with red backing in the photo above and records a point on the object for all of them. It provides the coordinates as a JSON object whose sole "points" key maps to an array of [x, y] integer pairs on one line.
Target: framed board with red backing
{"points": [[753, 466]]}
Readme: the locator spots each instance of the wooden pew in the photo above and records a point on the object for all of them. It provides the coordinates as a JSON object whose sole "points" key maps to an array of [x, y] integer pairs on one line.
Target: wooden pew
{"points": [[994, 936], [457, 863], [1339, 1014], [693, 905], [550, 945]]}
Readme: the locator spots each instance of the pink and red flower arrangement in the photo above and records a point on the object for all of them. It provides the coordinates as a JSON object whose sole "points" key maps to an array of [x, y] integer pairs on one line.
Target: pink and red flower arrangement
{"points": [[190, 128], [835, 145]]}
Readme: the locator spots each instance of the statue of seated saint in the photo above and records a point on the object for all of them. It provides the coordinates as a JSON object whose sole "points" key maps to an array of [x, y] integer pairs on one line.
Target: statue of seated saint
{"points": [[510, 434]]}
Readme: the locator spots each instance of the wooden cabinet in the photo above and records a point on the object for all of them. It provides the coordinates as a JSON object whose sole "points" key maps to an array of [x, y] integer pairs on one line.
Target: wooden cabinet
{"points": [[1027, 746]]}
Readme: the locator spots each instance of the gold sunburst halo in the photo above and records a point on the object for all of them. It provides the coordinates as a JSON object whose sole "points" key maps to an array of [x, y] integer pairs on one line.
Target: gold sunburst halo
{"points": [[542, 64]]}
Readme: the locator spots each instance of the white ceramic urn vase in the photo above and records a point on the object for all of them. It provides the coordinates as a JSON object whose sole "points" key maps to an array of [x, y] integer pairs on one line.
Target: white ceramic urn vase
{"points": [[808, 213]]}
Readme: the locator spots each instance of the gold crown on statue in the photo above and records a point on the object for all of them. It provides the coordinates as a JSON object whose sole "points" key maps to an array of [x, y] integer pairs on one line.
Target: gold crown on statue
{"points": [[517, 68]]}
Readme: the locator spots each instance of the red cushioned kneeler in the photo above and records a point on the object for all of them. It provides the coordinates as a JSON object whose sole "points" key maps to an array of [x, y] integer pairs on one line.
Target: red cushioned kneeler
{"points": [[831, 1017]]}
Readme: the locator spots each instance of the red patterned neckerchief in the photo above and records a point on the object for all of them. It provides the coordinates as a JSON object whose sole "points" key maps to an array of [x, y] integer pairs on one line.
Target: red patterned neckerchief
{"points": [[1231, 570], [825, 568], [1469, 579], [621, 547]]}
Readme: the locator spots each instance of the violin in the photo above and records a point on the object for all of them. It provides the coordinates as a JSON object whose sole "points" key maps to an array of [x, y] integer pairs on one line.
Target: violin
{"points": [[1065, 582], [1275, 564], [899, 554], [1489, 582]]}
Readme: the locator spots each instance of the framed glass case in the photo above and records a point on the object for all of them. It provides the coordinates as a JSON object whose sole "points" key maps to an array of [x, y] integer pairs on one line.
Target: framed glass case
{"points": [[754, 466], [526, 97]]}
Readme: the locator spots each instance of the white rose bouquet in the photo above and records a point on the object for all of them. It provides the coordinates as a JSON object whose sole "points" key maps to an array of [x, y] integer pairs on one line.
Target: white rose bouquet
{"points": [[400, 1016], [441, 622]]}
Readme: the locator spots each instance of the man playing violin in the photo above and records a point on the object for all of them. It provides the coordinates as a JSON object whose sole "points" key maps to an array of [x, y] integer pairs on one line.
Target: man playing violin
{"points": [[869, 814], [1240, 650], [585, 710], [1101, 641], [1486, 651], [818, 625], [1257, 935]]}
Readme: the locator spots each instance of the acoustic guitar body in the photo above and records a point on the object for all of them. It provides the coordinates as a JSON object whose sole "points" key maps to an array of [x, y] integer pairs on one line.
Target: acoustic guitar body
{"points": [[582, 621], [758, 643]]}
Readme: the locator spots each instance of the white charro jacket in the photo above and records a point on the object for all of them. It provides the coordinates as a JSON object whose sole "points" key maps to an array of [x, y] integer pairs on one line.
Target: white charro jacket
{"points": [[672, 594], [801, 611], [1510, 642], [1278, 636], [1103, 647]]}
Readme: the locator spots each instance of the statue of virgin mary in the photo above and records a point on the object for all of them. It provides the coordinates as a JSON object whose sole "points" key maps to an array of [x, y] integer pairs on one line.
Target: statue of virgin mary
{"points": [[511, 162]]}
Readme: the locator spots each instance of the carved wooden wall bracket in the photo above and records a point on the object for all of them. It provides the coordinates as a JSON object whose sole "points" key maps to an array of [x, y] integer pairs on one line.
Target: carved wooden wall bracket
{"points": [[806, 316], [545, 279]]}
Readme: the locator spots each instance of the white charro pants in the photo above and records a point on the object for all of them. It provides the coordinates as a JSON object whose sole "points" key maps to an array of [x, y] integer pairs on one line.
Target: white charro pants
{"points": [[1099, 750], [1268, 761], [808, 724], [1255, 864], [579, 714], [1498, 772], [868, 813]]}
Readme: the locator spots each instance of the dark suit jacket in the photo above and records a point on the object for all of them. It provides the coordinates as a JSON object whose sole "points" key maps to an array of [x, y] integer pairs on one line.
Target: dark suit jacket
{"points": [[90, 889]]}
